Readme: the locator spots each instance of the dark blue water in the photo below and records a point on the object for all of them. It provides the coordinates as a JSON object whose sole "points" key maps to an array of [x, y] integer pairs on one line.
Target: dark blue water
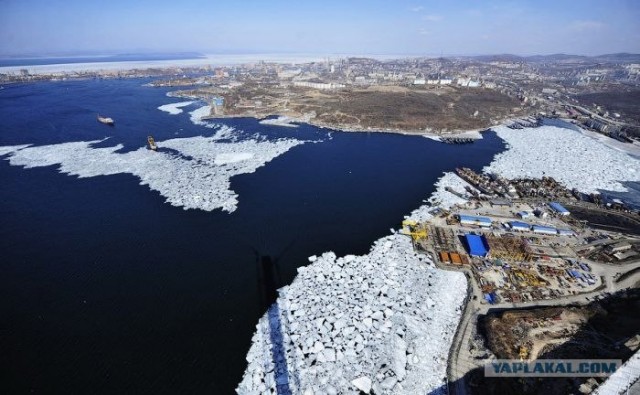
{"points": [[104, 288], [89, 59]]}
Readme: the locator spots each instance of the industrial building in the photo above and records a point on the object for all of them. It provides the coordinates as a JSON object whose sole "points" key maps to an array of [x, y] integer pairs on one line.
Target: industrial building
{"points": [[621, 246], [475, 220], [500, 202], [624, 255], [218, 105], [565, 232], [321, 85], [521, 226], [547, 230], [476, 245], [540, 213], [558, 208], [524, 214]]}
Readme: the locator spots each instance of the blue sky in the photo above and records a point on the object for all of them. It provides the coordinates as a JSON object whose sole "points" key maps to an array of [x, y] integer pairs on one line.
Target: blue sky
{"points": [[589, 27]]}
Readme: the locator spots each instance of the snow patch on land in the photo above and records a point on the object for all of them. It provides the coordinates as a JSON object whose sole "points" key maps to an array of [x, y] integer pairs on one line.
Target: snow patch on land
{"points": [[568, 156], [175, 108], [384, 320], [193, 173]]}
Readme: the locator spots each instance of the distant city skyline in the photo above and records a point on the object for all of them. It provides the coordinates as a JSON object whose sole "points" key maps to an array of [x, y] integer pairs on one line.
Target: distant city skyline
{"points": [[40, 28]]}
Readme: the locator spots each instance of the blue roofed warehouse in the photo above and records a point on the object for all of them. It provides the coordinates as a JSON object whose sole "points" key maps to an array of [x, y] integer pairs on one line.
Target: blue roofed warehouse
{"points": [[475, 220], [517, 225], [558, 208], [544, 229], [476, 245]]}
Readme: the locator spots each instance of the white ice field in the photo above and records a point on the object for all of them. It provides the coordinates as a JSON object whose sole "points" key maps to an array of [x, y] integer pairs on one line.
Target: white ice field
{"points": [[193, 174], [576, 160], [175, 108]]}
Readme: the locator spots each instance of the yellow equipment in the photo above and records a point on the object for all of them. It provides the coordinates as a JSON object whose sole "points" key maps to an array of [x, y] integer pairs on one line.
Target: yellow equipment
{"points": [[524, 353], [415, 230], [152, 143]]}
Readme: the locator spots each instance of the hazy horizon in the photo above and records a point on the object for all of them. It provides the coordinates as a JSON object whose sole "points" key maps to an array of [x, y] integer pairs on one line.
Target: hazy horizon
{"points": [[33, 28], [142, 52]]}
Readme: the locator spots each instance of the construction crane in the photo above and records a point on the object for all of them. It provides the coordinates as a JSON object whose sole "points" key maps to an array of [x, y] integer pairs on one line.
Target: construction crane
{"points": [[417, 231]]}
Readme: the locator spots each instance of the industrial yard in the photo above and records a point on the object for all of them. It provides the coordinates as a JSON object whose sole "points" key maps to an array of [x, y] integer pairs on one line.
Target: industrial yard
{"points": [[599, 329], [520, 246], [512, 254]]}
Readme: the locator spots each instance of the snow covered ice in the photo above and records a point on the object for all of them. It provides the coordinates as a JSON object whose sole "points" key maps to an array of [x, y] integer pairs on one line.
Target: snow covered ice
{"points": [[280, 121], [197, 114], [197, 177], [175, 108], [623, 379], [570, 157], [383, 321]]}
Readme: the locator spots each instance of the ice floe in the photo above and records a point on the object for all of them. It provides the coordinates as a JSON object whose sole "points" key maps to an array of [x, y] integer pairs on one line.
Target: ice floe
{"points": [[193, 173], [175, 108], [443, 197], [197, 114], [383, 322], [226, 158], [280, 121], [623, 379], [10, 149], [568, 156], [471, 134]]}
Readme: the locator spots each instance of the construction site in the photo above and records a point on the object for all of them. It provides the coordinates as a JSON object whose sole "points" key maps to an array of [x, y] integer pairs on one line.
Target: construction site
{"points": [[540, 280], [601, 329], [509, 261]]}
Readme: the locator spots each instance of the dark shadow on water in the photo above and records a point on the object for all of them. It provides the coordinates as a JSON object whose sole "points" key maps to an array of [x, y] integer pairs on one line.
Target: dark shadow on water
{"points": [[631, 197], [269, 277], [281, 371], [175, 153]]}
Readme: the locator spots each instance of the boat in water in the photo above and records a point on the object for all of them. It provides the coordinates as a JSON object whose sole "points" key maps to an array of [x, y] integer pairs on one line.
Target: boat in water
{"points": [[152, 143], [105, 120]]}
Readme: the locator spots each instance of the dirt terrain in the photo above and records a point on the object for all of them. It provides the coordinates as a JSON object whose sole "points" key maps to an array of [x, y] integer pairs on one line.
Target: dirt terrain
{"points": [[527, 334], [392, 108], [623, 102], [607, 329]]}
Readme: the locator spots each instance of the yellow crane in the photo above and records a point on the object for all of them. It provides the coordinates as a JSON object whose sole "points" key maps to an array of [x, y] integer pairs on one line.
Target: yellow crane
{"points": [[415, 230], [524, 353]]}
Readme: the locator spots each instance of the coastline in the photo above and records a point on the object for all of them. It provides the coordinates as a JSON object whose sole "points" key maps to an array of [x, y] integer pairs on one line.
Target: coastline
{"points": [[632, 149], [290, 121], [261, 375]]}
